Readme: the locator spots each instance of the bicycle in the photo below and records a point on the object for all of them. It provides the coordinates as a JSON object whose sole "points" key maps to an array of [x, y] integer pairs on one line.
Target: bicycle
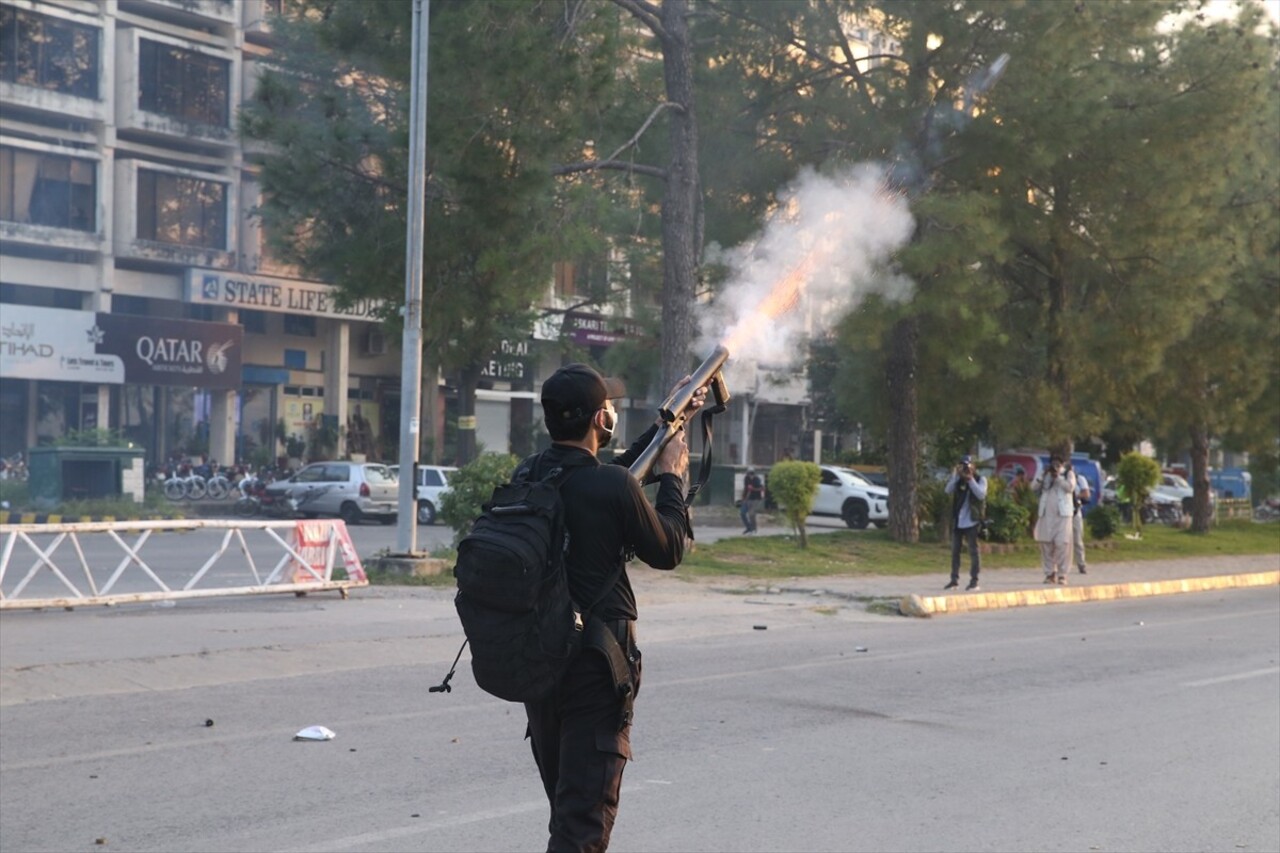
{"points": [[13, 467], [185, 484]]}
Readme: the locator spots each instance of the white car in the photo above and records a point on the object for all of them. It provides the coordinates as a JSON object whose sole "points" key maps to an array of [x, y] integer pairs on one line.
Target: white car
{"points": [[433, 482], [350, 490], [846, 494], [1174, 488]]}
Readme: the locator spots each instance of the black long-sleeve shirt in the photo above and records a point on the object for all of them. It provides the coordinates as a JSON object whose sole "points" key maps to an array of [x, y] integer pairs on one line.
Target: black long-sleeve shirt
{"points": [[608, 516]]}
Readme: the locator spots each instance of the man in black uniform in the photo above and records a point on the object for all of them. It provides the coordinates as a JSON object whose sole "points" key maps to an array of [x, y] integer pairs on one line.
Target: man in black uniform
{"points": [[581, 733]]}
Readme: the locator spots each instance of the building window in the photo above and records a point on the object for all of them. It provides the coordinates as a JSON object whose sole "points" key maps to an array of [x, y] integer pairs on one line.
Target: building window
{"points": [[566, 278], [47, 189], [183, 84], [50, 53], [138, 306], [300, 324], [253, 321], [295, 359], [185, 211]]}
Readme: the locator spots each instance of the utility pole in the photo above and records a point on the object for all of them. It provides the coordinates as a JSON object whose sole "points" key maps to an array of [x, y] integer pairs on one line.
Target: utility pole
{"points": [[411, 364]]}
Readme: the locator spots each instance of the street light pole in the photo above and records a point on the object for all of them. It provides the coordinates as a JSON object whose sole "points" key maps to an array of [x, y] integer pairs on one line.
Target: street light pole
{"points": [[411, 364]]}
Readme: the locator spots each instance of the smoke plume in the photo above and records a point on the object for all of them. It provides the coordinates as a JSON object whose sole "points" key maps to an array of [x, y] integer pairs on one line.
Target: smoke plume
{"points": [[823, 249]]}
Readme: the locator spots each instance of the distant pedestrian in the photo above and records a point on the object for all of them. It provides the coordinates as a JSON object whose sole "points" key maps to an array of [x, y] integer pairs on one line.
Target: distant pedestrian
{"points": [[1082, 496], [1056, 487], [968, 491], [752, 495]]}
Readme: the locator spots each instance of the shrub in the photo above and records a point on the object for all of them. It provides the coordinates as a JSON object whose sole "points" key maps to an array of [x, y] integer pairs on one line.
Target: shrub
{"points": [[794, 486], [1009, 519], [933, 506], [1138, 475], [1103, 521], [471, 486]]}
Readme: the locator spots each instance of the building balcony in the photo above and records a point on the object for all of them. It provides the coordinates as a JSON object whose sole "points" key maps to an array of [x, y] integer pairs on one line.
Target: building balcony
{"points": [[170, 90], [35, 103], [174, 217], [48, 237], [190, 13]]}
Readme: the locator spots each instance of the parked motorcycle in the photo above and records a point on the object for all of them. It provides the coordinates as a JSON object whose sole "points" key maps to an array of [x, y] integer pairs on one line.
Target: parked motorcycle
{"points": [[1161, 512], [254, 499], [1268, 510]]}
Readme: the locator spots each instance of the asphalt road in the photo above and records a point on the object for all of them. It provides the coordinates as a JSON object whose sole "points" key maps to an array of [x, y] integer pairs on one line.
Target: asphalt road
{"points": [[1148, 724]]}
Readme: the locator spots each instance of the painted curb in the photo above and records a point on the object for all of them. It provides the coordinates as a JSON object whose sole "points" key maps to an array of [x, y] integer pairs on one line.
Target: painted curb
{"points": [[57, 518], [929, 605]]}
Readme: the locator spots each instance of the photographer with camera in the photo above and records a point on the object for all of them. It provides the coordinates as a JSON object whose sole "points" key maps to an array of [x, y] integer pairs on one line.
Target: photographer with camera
{"points": [[1056, 487], [1082, 495], [968, 492]]}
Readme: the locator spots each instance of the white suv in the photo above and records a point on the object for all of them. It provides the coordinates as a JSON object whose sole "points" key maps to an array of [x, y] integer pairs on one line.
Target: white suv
{"points": [[844, 493], [433, 482]]}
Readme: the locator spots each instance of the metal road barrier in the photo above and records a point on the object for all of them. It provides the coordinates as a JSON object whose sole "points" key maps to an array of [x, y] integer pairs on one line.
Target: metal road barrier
{"points": [[88, 563]]}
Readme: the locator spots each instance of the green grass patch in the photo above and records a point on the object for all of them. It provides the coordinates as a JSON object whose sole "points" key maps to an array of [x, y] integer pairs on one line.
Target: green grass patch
{"points": [[379, 578], [873, 552]]}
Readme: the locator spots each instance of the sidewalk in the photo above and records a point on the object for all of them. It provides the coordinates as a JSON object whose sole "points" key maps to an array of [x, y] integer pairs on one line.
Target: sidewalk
{"points": [[923, 595]]}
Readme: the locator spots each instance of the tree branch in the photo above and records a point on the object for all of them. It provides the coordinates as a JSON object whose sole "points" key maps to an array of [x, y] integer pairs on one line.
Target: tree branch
{"points": [[648, 14], [615, 165], [636, 137]]}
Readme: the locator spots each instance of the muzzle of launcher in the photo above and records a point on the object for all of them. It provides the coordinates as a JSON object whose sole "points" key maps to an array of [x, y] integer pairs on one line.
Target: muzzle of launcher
{"points": [[675, 412]]}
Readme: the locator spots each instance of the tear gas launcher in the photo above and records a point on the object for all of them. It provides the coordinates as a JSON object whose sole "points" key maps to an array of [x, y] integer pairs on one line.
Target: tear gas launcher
{"points": [[675, 412]]}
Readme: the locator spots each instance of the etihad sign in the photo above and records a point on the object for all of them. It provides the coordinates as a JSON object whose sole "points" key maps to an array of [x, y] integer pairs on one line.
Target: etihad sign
{"points": [[280, 295]]}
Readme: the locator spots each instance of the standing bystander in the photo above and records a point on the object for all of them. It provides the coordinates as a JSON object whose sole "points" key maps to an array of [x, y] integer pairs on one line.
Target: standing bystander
{"points": [[968, 491], [1056, 487], [752, 495], [1082, 496]]}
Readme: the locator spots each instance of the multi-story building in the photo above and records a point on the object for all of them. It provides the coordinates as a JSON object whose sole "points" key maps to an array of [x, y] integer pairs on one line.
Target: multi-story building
{"points": [[136, 292]]}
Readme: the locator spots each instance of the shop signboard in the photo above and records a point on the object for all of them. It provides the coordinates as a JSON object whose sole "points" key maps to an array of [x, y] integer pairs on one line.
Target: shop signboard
{"points": [[279, 295], [160, 351], [57, 344], [596, 329], [509, 362], [111, 349]]}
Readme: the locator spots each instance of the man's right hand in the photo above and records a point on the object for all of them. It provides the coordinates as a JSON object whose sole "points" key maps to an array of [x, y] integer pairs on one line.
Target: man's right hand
{"points": [[674, 458]]}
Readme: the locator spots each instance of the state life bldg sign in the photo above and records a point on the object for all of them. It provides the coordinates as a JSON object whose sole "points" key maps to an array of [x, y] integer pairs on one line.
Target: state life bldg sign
{"points": [[281, 295]]}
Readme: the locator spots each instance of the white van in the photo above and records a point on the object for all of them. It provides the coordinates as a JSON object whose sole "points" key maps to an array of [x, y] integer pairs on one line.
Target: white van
{"points": [[433, 482]]}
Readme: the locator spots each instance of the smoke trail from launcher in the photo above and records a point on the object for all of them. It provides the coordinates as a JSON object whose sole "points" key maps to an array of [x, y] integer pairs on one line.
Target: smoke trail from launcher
{"points": [[676, 410]]}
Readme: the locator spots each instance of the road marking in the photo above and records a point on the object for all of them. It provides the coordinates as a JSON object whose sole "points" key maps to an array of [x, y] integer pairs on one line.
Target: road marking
{"points": [[1239, 676], [351, 842]]}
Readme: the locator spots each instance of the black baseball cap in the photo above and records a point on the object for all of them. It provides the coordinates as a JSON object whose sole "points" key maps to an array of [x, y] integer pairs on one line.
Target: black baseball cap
{"points": [[575, 391]]}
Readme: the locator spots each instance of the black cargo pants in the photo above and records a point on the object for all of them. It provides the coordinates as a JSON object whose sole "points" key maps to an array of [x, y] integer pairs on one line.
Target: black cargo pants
{"points": [[581, 744]]}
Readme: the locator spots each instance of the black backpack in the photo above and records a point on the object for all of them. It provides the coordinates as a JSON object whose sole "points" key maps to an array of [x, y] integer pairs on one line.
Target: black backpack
{"points": [[513, 590]]}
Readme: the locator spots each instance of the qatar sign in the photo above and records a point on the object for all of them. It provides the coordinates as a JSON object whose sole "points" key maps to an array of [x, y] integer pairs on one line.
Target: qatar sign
{"points": [[113, 349]]}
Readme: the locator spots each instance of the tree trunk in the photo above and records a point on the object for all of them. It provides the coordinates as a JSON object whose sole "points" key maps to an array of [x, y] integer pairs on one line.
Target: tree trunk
{"points": [[1201, 511], [900, 377], [680, 196], [1057, 370], [429, 403], [469, 378]]}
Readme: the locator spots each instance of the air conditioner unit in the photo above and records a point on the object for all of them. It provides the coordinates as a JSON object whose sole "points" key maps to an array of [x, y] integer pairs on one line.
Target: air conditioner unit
{"points": [[375, 343]]}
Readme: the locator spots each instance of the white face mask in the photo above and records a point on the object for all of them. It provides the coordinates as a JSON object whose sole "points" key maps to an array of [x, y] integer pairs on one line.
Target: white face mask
{"points": [[607, 427]]}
